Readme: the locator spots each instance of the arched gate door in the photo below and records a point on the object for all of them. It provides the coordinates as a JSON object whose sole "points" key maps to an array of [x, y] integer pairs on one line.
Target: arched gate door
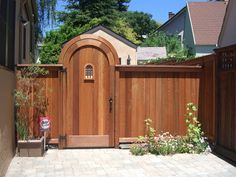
{"points": [[88, 93]]}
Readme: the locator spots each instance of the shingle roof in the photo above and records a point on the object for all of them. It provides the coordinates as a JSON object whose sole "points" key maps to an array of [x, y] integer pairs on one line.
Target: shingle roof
{"points": [[146, 53], [207, 19], [183, 10]]}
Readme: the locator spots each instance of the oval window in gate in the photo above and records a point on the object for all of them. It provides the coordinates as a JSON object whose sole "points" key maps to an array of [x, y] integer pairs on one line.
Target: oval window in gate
{"points": [[89, 72]]}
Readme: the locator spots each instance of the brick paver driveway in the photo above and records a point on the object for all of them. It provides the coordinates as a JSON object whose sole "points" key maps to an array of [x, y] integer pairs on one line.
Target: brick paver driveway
{"points": [[118, 163]]}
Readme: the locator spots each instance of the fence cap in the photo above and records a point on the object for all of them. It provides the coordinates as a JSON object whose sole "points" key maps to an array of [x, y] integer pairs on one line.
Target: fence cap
{"points": [[54, 67], [159, 68], [224, 49]]}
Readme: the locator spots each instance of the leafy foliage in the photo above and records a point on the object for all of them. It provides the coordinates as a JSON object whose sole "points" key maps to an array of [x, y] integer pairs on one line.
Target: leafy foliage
{"points": [[141, 22], [165, 143], [82, 15], [46, 12], [138, 149], [81, 12], [123, 5], [151, 134], [173, 45], [29, 88], [194, 131], [54, 39]]}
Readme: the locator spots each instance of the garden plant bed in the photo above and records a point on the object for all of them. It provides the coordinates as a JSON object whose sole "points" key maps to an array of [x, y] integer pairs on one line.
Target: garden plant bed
{"points": [[31, 148]]}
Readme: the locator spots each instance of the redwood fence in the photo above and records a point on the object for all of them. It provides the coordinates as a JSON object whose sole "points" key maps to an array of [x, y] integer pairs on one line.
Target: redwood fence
{"points": [[161, 92], [226, 102]]}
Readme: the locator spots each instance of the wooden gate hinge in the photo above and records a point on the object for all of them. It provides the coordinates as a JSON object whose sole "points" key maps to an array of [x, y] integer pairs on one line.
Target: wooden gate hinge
{"points": [[64, 70]]}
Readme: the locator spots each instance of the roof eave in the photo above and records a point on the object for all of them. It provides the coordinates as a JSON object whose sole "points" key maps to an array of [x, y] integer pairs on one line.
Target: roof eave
{"points": [[171, 19], [112, 33], [224, 22], [191, 24]]}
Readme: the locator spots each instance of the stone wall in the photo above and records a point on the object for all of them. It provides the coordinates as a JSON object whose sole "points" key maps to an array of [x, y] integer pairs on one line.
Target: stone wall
{"points": [[7, 130]]}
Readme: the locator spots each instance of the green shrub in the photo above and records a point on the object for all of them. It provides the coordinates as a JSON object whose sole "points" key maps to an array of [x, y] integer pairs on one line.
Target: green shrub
{"points": [[138, 149], [29, 88], [173, 44], [165, 143], [194, 132], [150, 133]]}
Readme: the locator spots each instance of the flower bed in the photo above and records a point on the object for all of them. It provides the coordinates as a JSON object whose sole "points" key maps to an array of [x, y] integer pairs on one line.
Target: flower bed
{"points": [[165, 143]]}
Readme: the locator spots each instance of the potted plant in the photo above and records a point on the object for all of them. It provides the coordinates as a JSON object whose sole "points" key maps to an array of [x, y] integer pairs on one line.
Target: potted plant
{"points": [[31, 103]]}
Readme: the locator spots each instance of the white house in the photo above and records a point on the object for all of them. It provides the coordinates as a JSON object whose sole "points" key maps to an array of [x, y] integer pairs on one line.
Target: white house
{"points": [[198, 26], [228, 34]]}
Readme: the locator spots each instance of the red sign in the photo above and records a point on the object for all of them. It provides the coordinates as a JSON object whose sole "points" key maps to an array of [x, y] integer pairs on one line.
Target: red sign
{"points": [[44, 123]]}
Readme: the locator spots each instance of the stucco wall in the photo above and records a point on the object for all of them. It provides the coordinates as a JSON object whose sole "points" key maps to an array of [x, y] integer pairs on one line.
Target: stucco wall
{"points": [[7, 135], [228, 35], [122, 49], [202, 50]]}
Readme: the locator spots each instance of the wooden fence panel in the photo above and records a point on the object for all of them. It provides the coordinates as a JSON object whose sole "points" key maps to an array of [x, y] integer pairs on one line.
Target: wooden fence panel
{"points": [[207, 93], [53, 95], [51, 84], [226, 102], [161, 96]]}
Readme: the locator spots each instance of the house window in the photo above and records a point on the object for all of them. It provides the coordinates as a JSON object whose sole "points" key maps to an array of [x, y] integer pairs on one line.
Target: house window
{"points": [[89, 72]]}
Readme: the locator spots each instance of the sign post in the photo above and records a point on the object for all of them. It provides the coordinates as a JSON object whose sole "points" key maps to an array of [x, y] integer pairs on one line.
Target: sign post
{"points": [[44, 123]]}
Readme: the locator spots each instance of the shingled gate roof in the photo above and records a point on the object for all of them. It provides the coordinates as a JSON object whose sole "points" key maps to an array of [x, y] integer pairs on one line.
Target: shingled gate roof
{"points": [[147, 53]]}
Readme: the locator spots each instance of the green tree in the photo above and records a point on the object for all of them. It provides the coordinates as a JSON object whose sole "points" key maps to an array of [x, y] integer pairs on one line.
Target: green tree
{"points": [[173, 45], [141, 22], [80, 12], [54, 39], [123, 5], [82, 15], [46, 11]]}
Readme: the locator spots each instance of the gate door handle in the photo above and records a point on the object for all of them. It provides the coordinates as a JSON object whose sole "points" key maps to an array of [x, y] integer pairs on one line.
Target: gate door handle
{"points": [[110, 104]]}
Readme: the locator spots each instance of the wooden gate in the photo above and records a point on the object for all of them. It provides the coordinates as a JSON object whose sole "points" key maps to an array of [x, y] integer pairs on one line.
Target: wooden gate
{"points": [[88, 93]]}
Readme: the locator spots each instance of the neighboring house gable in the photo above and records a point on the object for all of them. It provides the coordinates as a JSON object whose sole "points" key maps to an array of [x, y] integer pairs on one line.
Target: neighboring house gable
{"points": [[202, 24], [123, 46], [188, 37], [228, 34], [176, 24]]}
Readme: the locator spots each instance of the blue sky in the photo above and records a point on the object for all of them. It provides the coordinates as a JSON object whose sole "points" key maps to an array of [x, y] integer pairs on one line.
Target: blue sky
{"points": [[157, 8]]}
